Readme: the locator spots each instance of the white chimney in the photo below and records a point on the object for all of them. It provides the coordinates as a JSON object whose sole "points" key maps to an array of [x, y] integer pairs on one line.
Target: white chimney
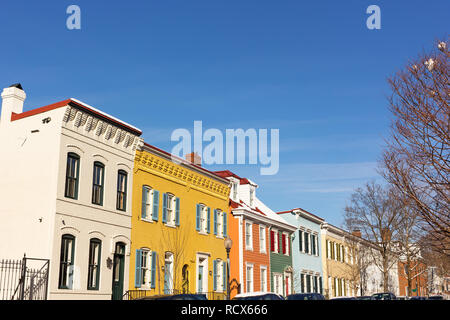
{"points": [[13, 98]]}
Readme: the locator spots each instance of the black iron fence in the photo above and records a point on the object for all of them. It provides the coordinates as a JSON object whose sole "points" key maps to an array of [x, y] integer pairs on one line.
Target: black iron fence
{"points": [[138, 294], [25, 279]]}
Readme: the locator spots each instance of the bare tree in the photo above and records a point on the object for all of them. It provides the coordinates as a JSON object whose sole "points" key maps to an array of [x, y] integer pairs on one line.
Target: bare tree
{"points": [[417, 159], [374, 211], [409, 242]]}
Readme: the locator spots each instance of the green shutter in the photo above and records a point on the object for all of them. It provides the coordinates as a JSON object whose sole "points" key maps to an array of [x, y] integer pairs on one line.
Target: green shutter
{"points": [[155, 213], [144, 202], [164, 209], [208, 220], [225, 226], [137, 276], [153, 269], [215, 275], [177, 211], [215, 221], [197, 217]]}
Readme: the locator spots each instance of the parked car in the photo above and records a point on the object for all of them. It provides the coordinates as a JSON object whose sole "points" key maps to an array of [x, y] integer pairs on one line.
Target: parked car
{"points": [[402, 298], [343, 298], [436, 298], [176, 297], [417, 298], [305, 296], [258, 296], [363, 298], [383, 296]]}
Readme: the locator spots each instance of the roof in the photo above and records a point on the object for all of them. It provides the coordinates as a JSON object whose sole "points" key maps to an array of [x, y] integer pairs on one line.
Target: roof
{"points": [[228, 173], [81, 105], [304, 211]]}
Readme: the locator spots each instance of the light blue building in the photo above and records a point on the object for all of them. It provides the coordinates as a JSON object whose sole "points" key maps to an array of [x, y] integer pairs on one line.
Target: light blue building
{"points": [[306, 250]]}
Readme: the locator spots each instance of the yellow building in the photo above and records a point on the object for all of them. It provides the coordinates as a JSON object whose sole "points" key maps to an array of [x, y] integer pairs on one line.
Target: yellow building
{"points": [[340, 275], [178, 227]]}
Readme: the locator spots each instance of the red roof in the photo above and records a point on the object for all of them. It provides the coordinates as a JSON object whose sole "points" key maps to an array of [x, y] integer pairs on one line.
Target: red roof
{"points": [[18, 116], [228, 173]]}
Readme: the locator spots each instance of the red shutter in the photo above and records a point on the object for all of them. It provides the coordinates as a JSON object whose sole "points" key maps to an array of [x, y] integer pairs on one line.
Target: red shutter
{"points": [[272, 247], [283, 243]]}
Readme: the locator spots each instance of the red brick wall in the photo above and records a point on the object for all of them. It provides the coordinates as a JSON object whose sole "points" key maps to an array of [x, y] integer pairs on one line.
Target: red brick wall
{"points": [[419, 282]]}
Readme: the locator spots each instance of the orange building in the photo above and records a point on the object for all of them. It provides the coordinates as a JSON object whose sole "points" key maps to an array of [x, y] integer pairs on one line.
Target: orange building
{"points": [[419, 279]]}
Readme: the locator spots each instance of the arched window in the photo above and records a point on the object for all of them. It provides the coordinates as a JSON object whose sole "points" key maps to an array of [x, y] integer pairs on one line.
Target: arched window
{"points": [[122, 190], [72, 175], [66, 261], [98, 183], [95, 248]]}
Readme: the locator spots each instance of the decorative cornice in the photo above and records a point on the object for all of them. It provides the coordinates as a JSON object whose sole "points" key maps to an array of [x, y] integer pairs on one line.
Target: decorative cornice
{"points": [[155, 164], [96, 128]]}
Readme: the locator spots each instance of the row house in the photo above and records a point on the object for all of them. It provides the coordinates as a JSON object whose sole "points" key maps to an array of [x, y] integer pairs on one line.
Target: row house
{"points": [[66, 178], [306, 250], [261, 255], [179, 224]]}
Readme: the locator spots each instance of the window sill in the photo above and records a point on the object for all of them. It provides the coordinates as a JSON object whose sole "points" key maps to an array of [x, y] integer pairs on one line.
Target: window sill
{"points": [[170, 225], [203, 233], [146, 220]]}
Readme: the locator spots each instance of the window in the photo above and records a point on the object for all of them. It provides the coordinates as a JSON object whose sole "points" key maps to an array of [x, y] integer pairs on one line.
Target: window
{"points": [[313, 244], [249, 278], [252, 197], [263, 279], [145, 268], [234, 190], [97, 183], [302, 283], [248, 236], [300, 240], [66, 262], [274, 241], [72, 174], [306, 242], [95, 247], [308, 283], [278, 283], [122, 190], [171, 210], [262, 239], [203, 218], [147, 195], [315, 284], [220, 223], [320, 285], [219, 275]]}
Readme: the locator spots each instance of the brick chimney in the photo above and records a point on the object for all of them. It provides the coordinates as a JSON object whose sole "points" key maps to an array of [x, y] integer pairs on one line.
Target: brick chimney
{"points": [[194, 158], [13, 98], [385, 235], [357, 233]]}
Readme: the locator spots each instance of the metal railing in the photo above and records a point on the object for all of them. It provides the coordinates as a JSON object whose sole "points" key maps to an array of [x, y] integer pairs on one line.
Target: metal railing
{"points": [[138, 294], [19, 281]]}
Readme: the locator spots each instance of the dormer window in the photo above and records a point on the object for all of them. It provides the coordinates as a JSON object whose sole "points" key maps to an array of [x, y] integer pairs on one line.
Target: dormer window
{"points": [[252, 197]]}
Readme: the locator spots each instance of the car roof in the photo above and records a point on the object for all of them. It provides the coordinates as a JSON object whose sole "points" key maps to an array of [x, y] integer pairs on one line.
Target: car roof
{"points": [[254, 294]]}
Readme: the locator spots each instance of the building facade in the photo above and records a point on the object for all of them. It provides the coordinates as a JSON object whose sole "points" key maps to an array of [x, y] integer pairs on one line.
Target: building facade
{"points": [[306, 250], [261, 253], [66, 173], [179, 225]]}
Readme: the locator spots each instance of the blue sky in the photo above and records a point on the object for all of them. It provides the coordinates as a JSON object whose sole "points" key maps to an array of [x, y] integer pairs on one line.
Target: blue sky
{"points": [[311, 69]]}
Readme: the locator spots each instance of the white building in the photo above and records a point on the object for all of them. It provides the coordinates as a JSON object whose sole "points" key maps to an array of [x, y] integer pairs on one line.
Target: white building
{"points": [[66, 179]]}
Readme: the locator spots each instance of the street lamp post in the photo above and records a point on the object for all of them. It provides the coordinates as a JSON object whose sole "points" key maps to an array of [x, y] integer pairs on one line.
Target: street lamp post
{"points": [[228, 243]]}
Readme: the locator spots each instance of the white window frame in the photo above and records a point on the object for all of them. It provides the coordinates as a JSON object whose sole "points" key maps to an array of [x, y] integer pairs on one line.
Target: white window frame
{"points": [[249, 281], [263, 279], [286, 244], [203, 219], [171, 209], [262, 239], [275, 240], [220, 215], [252, 197], [146, 270], [148, 204], [277, 283], [248, 246]]}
